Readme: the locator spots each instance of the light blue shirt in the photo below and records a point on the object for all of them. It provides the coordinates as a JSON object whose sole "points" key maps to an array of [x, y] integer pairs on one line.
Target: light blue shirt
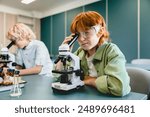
{"points": [[34, 54]]}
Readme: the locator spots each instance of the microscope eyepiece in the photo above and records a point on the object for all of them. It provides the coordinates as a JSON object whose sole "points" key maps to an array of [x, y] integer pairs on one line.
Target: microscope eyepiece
{"points": [[75, 37], [14, 64], [10, 44]]}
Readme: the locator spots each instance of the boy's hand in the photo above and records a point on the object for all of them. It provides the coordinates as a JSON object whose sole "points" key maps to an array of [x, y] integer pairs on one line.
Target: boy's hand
{"points": [[88, 80], [67, 39], [5, 70]]}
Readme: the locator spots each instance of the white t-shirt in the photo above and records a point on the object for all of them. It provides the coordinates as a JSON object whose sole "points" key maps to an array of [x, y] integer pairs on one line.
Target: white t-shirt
{"points": [[34, 54], [92, 71]]}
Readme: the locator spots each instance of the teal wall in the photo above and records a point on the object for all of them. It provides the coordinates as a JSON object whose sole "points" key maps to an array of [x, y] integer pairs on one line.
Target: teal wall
{"points": [[122, 19], [145, 28], [58, 31], [122, 25], [70, 15], [46, 32], [97, 6]]}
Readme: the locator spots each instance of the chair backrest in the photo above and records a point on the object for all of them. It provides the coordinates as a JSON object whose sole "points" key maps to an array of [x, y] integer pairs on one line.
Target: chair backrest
{"points": [[141, 61], [139, 80]]}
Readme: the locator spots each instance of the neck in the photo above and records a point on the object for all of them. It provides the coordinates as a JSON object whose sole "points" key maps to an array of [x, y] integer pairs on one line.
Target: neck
{"points": [[91, 52], [26, 44]]}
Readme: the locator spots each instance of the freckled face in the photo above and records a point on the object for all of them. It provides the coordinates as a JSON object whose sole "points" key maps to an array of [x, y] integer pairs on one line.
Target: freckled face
{"points": [[88, 39]]}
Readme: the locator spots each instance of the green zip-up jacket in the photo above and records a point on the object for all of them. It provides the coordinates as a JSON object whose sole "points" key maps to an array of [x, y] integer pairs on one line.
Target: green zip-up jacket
{"points": [[109, 62]]}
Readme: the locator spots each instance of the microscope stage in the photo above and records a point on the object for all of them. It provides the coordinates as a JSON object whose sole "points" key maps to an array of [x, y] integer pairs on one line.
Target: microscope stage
{"points": [[67, 87]]}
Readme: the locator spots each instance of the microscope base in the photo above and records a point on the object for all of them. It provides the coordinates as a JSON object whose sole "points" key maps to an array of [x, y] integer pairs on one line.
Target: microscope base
{"points": [[64, 87]]}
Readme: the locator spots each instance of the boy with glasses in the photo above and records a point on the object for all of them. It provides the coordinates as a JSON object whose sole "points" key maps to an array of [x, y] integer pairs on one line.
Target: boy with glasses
{"points": [[102, 61]]}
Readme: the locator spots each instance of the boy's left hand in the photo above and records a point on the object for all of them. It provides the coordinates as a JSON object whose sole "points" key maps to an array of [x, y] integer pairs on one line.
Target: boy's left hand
{"points": [[88, 80]]}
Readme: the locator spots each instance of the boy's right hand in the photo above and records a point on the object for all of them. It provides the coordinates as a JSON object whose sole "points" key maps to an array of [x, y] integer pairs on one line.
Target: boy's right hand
{"points": [[67, 39]]}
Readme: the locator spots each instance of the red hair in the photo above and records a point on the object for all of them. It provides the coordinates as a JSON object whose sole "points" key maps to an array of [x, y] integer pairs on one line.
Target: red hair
{"points": [[85, 20]]}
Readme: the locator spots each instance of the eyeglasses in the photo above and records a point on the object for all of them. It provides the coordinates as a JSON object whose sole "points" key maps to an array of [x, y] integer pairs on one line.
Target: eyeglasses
{"points": [[86, 34], [90, 32]]}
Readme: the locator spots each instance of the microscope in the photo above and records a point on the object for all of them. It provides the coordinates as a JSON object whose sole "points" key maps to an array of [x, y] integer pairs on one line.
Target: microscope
{"points": [[6, 58], [6, 61], [71, 75]]}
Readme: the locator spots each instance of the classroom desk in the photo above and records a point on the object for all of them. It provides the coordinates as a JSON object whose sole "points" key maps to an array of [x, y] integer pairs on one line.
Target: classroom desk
{"points": [[143, 66], [39, 88]]}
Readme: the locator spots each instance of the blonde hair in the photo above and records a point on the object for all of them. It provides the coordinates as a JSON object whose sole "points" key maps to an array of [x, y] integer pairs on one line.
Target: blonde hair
{"points": [[85, 20], [20, 31]]}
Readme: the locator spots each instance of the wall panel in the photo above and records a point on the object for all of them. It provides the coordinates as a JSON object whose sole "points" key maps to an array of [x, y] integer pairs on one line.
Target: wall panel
{"points": [[122, 25], [145, 28]]}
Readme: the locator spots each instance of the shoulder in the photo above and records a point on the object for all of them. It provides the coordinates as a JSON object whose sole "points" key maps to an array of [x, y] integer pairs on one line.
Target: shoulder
{"points": [[108, 49], [113, 51], [115, 48], [111, 47], [37, 43], [78, 51]]}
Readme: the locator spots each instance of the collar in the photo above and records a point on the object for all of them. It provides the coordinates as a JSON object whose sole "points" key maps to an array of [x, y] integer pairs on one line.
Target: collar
{"points": [[99, 52], [98, 55], [28, 46]]}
